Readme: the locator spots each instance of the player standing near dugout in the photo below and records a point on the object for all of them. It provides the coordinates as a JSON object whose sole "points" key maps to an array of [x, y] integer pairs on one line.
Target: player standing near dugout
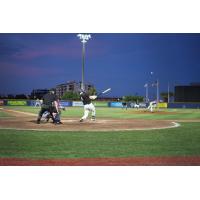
{"points": [[50, 105], [88, 105], [152, 105]]}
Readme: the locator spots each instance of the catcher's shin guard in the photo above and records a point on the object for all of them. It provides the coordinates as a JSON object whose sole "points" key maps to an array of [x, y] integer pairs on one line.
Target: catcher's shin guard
{"points": [[57, 118]]}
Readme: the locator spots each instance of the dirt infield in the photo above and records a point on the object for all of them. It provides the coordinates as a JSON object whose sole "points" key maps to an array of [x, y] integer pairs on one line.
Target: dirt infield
{"points": [[134, 161], [27, 121]]}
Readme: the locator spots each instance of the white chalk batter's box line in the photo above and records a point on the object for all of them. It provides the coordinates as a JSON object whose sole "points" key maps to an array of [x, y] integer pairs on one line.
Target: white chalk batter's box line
{"points": [[175, 125]]}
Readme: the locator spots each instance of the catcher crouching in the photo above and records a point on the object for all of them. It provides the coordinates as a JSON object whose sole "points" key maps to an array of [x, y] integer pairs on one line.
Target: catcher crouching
{"points": [[50, 108]]}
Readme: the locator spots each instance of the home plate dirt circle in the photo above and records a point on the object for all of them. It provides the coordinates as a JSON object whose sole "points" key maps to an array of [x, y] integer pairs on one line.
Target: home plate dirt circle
{"points": [[72, 124]]}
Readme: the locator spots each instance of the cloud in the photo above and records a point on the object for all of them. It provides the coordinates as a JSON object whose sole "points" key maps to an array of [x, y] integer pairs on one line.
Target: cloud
{"points": [[48, 50], [22, 47], [8, 49], [23, 70]]}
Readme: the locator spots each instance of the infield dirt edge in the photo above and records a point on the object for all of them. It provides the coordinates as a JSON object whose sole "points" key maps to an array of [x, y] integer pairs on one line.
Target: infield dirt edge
{"points": [[128, 161], [27, 121]]}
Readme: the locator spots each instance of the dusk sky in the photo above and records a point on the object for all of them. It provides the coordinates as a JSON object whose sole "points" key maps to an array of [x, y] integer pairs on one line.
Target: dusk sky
{"points": [[123, 62]]}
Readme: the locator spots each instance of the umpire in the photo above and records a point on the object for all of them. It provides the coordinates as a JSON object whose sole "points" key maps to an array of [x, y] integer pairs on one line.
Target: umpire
{"points": [[49, 104]]}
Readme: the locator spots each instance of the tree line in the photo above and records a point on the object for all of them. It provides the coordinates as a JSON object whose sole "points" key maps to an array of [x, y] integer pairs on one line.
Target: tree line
{"points": [[75, 96], [17, 96]]}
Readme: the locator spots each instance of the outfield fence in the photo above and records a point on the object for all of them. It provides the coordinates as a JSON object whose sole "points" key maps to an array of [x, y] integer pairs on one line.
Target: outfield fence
{"points": [[183, 105], [6, 102]]}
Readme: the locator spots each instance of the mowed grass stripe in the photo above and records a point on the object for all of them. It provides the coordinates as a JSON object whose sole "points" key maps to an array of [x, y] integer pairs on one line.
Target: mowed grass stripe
{"points": [[169, 114], [181, 141], [4, 114]]}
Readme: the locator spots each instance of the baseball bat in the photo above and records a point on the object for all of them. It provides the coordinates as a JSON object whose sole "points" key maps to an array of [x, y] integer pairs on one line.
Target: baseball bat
{"points": [[105, 91]]}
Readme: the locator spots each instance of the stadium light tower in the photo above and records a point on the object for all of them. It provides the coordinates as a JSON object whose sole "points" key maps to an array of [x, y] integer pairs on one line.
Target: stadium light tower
{"points": [[157, 88], [84, 38], [147, 93]]}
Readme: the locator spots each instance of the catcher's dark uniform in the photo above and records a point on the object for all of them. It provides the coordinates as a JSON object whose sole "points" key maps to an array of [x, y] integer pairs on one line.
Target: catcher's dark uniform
{"points": [[48, 105]]}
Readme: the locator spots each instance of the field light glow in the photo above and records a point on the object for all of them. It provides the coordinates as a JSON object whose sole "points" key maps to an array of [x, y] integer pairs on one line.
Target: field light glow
{"points": [[84, 37]]}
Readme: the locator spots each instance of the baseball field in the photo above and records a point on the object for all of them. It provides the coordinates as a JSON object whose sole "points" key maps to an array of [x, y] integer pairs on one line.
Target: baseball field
{"points": [[118, 137]]}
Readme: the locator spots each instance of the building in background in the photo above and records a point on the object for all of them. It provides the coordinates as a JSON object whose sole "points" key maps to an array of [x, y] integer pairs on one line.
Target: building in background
{"points": [[70, 86], [189, 93], [38, 93]]}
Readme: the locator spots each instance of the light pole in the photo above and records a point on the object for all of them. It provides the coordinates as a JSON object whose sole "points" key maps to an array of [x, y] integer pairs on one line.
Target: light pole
{"points": [[168, 92], [147, 93], [157, 91], [157, 88], [84, 38]]}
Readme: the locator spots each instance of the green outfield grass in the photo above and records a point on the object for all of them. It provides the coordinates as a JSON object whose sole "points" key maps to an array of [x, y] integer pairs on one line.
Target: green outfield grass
{"points": [[106, 112], [3, 114], [181, 141]]}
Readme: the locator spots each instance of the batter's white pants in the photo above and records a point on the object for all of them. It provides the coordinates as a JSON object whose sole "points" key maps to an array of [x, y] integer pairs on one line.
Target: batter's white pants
{"points": [[88, 108]]}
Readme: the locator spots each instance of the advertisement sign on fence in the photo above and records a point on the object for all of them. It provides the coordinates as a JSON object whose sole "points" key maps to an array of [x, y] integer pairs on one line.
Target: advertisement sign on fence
{"points": [[62, 103], [115, 104], [17, 103], [100, 103], [142, 105], [65, 103], [162, 105], [77, 103]]}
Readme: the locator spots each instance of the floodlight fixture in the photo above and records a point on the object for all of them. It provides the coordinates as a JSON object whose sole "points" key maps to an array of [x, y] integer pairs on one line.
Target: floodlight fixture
{"points": [[84, 38]]}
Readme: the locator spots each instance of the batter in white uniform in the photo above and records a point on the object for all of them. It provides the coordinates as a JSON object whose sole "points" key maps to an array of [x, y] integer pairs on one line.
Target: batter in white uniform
{"points": [[88, 105]]}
